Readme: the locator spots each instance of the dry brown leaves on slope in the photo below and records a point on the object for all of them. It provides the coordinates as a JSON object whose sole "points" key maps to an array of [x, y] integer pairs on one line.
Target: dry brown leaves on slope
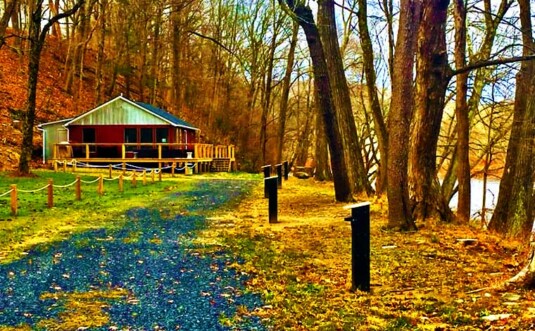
{"points": [[426, 280]]}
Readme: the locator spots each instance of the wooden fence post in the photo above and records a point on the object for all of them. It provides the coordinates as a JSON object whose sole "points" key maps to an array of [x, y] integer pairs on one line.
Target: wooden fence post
{"points": [[55, 166], [110, 169], [78, 188], [121, 187], [134, 180], [173, 169], [64, 165], [160, 175], [144, 177], [50, 193], [152, 175], [100, 187], [14, 200]]}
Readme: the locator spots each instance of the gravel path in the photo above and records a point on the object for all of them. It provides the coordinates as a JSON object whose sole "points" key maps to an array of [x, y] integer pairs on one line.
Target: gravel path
{"points": [[166, 284]]}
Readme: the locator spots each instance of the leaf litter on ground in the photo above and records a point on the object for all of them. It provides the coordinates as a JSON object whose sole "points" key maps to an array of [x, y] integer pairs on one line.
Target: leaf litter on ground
{"points": [[424, 280]]}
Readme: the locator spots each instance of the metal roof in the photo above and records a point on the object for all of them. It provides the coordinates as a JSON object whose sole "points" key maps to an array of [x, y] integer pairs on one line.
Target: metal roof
{"points": [[167, 116]]}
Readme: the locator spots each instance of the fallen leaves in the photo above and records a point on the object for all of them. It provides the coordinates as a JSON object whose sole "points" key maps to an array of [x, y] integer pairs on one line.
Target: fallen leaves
{"points": [[427, 280]]}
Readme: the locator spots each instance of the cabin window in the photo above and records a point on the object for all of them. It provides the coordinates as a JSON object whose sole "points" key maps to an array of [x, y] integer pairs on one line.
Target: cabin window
{"points": [[145, 135], [130, 136], [62, 135], [89, 136], [162, 135]]}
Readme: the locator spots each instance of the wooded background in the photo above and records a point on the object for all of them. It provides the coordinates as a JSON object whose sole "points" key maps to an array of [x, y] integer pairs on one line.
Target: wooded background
{"points": [[386, 96]]}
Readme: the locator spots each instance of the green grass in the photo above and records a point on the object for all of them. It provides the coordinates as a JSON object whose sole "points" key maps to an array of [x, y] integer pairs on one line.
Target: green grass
{"points": [[38, 226]]}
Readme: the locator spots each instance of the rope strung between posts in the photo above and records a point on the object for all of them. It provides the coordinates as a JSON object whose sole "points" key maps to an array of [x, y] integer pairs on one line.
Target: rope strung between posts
{"points": [[6, 193], [33, 191], [65, 186], [111, 179], [90, 181]]}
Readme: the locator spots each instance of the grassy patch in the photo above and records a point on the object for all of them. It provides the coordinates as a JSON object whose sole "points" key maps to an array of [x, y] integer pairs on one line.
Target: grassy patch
{"points": [[36, 225]]}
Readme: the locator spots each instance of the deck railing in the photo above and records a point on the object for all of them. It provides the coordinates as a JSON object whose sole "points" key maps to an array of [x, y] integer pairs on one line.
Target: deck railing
{"points": [[141, 150]]}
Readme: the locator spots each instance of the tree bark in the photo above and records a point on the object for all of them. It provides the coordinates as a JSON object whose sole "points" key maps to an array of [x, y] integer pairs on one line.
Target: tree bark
{"points": [[402, 103], [37, 35], [461, 112], [341, 99], [324, 100], [431, 82], [373, 98], [513, 215]]}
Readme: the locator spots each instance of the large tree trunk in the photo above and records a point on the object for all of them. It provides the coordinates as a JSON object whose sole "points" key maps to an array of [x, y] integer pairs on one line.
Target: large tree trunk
{"points": [[399, 211], [431, 82], [322, 86], [513, 215], [461, 113], [341, 99], [373, 98]]}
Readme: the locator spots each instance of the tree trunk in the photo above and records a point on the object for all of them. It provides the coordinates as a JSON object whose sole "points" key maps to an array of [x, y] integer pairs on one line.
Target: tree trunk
{"points": [[323, 169], [431, 82], [341, 100], [399, 211], [286, 84], [513, 215], [480, 80], [266, 104], [373, 98], [36, 38], [100, 50], [10, 9], [323, 91], [461, 112]]}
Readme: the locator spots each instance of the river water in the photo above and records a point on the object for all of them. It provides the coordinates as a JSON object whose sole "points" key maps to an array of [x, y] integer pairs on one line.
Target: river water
{"points": [[477, 197]]}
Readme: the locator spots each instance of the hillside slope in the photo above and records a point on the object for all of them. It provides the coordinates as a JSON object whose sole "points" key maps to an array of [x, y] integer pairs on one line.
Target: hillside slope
{"points": [[53, 102]]}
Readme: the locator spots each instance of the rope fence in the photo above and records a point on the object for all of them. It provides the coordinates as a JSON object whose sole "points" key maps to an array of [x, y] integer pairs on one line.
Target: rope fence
{"points": [[139, 174]]}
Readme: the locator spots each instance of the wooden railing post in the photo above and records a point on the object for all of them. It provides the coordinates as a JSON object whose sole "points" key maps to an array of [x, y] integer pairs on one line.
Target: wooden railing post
{"points": [[121, 184], [55, 166], [50, 193], [160, 175], [73, 165], [86, 151], [14, 205], [123, 151], [173, 166], [134, 180], [110, 170], [144, 177], [160, 151], [152, 175], [55, 152], [78, 188]]}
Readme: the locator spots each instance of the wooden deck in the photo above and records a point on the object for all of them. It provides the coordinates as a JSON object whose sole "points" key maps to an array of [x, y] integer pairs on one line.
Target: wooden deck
{"points": [[200, 157]]}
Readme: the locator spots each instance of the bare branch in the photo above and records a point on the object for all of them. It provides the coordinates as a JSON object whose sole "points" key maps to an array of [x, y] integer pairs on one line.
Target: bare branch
{"points": [[482, 64]]}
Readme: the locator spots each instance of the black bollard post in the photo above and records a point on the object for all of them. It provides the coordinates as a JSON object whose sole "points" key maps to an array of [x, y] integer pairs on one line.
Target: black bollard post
{"points": [[279, 175], [360, 245], [271, 187], [286, 169], [267, 172]]}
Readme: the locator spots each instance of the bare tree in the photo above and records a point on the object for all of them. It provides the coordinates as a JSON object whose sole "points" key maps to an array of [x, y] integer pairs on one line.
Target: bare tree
{"points": [[37, 36]]}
